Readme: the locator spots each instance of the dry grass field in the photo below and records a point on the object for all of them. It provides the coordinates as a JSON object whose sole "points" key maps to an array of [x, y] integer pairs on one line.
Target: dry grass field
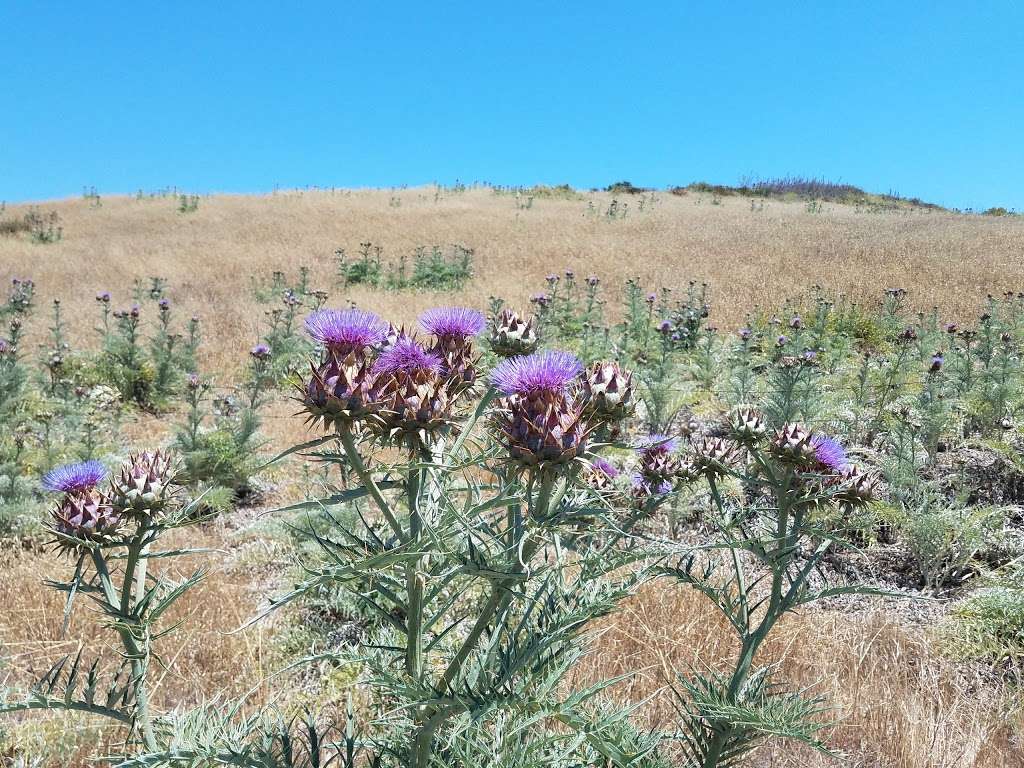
{"points": [[899, 701]]}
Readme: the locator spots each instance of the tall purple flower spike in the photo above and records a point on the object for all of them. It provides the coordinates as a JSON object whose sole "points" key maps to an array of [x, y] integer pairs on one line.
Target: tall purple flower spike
{"points": [[452, 322], [74, 477], [546, 372], [829, 452], [408, 356], [346, 330]]}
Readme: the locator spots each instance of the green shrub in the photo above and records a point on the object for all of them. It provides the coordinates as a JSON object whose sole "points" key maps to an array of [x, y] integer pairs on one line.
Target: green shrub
{"points": [[943, 544], [989, 626]]}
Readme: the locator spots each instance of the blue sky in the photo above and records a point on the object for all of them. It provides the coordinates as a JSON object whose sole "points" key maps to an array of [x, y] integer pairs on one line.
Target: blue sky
{"points": [[922, 99]]}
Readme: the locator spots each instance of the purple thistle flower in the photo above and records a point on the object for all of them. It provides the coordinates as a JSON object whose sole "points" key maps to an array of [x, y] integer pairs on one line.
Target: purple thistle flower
{"points": [[406, 355], [605, 467], [542, 372], [829, 452], [643, 485], [657, 444], [260, 351], [103, 296], [452, 322], [746, 334], [937, 361], [345, 330], [74, 477]]}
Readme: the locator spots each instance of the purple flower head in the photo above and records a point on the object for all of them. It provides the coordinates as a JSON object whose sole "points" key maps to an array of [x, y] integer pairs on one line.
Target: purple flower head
{"points": [[540, 299], [605, 467], [260, 351], [937, 361], [796, 323], [569, 274], [103, 296], [165, 304], [665, 326], [643, 485], [74, 477], [746, 334], [810, 355], [452, 322], [657, 445], [781, 341], [829, 452], [406, 355], [651, 298], [542, 372], [593, 280], [345, 330], [552, 279]]}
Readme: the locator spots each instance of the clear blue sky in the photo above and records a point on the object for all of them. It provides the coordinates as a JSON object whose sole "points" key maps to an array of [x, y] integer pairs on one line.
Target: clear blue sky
{"points": [[920, 98]]}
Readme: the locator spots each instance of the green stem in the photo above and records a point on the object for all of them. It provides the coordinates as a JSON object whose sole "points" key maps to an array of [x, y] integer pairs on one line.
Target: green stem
{"points": [[372, 488], [136, 649]]}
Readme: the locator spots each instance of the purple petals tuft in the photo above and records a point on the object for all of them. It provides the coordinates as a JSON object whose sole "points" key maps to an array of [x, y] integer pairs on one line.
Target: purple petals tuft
{"points": [[542, 372], [829, 453], [407, 356], [74, 477], [346, 330], [452, 322]]}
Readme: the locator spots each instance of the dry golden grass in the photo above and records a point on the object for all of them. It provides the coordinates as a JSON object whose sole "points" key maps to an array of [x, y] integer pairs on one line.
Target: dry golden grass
{"points": [[899, 701], [748, 257]]}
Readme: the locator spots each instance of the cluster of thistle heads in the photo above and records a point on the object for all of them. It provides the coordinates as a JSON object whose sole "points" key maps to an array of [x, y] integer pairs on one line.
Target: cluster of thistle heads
{"points": [[664, 463], [406, 390], [97, 507]]}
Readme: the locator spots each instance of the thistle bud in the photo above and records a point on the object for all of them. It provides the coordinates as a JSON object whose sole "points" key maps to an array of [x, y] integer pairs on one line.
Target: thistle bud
{"points": [[340, 391], [714, 456], [511, 335], [747, 425], [85, 514], [415, 397], [144, 484], [793, 445], [659, 462], [608, 391], [856, 487]]}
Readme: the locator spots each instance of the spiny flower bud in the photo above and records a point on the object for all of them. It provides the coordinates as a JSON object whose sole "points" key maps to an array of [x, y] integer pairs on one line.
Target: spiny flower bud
{"points": [[747, 425], [511, 335], [340, 391], [714, 455], [144, 484], [608, 391], [416, 398], [793, 444], [658, 462], [855, 487], [85, 514]]}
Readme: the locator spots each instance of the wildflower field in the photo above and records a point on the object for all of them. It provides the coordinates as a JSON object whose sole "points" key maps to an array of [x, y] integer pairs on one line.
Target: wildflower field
{"points": [[475, 476]]}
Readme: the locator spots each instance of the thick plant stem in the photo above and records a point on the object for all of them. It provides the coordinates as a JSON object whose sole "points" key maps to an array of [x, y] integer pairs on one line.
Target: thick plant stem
{"points": [[352, 453], [136, 648]]}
